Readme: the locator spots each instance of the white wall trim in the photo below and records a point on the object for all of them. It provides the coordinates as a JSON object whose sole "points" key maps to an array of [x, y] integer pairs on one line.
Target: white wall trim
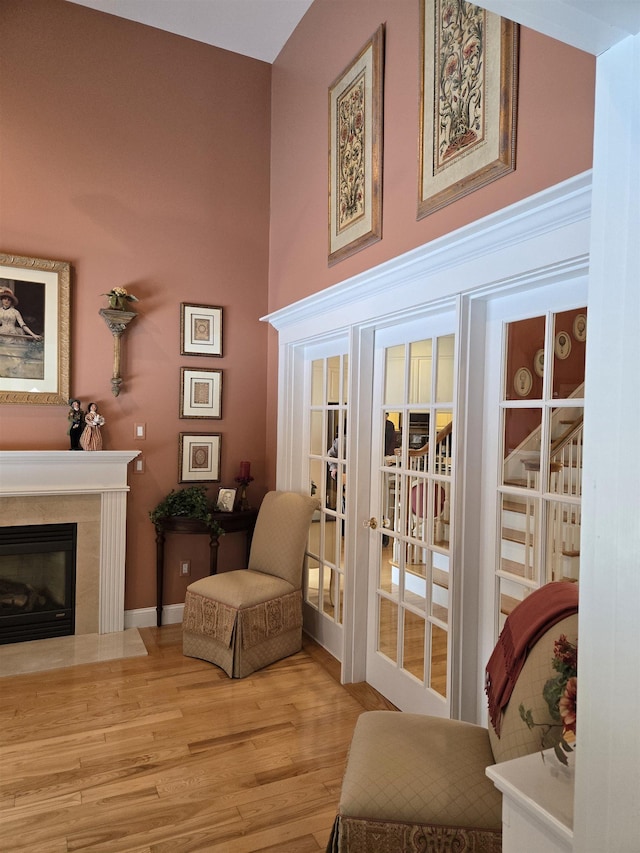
{"points": [[608, 756], [440, 269], [537, 242], [145, 617]]}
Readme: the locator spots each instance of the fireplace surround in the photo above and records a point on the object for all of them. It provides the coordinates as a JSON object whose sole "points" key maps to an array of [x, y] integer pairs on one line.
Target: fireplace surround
{"points": [[86, 489], [37, 581]]}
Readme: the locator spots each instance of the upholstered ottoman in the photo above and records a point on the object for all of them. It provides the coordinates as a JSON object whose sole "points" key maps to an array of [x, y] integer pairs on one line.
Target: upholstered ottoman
{"points": [[415, 784]]}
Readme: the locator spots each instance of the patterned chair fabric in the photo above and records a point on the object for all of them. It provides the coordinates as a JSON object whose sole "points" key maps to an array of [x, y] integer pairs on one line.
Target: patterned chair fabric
{"points": [[417, 784], [246, 619]]}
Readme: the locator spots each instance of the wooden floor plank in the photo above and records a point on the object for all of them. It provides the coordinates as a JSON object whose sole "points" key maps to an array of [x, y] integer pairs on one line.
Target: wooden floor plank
{"points": [[165, 753]]}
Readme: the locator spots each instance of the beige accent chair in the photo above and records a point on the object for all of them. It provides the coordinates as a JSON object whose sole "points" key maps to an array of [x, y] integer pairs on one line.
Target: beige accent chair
{"points": [[417, 784], [246, 619]]}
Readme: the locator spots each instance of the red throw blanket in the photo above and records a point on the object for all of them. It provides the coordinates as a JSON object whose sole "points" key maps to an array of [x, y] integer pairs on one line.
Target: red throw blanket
{"points": [[527, 622]]}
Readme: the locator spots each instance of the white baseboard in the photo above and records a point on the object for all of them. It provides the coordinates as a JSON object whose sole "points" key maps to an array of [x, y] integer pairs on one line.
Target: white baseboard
{"points": [[145, 617]]}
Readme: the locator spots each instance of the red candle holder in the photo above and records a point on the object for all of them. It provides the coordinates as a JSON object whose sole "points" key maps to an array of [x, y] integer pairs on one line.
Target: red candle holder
{"points": [[244, 482]]}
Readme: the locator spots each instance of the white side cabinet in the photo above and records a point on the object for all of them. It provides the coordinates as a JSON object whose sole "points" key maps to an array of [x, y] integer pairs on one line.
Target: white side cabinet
{"points": [[537, 803]]}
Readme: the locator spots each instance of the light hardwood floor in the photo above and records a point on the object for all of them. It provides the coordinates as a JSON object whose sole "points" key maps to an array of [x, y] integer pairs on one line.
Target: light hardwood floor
{"points": [[165, 753]]}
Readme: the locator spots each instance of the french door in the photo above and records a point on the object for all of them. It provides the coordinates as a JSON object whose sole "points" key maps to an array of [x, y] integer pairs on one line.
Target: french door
{"points": [[534, 404], [327, 377], [411, 518]]}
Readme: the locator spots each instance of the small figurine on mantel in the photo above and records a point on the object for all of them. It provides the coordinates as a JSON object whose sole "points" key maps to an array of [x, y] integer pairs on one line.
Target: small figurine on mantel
{"points": [[76, 423], [91, 438]]}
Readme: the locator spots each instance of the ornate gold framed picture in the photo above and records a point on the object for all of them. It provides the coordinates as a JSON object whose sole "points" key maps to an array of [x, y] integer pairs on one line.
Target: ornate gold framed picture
{"points": [[355, 152], [200, 329], [34, 330], [199, 458], [200, 393], [468, 101]]}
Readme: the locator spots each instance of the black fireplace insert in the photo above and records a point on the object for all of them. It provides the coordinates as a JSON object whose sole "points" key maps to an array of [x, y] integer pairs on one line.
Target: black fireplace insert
{"points": [[37, 581]]}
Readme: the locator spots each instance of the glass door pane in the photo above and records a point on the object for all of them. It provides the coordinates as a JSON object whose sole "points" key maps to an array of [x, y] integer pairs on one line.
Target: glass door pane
{"points": [[414, 468], [541, 485], [327, 418]]}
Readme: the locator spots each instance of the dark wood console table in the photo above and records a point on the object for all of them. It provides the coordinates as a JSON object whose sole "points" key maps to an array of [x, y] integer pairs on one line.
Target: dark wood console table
{"points": [[241, 521]]}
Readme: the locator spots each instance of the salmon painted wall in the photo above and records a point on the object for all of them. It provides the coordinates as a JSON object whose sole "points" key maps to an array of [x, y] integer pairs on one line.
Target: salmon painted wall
{"points": [[555, 133], [143, 159], [555, 139]]}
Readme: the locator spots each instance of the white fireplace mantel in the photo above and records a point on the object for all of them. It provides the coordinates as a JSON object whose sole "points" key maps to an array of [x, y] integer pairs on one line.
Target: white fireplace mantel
{"points": [[35, 473], [53, 472]]}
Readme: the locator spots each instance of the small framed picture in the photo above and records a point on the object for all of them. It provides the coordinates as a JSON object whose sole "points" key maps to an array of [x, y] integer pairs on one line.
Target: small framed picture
{"points": [[200, 393], [580, 327], [562, 345], [226, 500], [200, 329], [199, 458]]}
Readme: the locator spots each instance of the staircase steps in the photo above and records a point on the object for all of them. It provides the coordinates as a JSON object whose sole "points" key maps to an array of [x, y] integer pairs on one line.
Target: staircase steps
{"points": [[512, 567], [511, 535], [507, 603], [440, 577]]}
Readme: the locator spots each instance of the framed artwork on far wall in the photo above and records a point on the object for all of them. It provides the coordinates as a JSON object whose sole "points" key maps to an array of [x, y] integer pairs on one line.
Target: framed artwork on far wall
{"points": [[200, 329], [199, 458], [468, 103], [200, 393], [355, 152], [34, 330]]}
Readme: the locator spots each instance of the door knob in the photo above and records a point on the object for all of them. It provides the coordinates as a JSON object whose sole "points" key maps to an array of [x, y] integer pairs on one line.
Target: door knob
{"points": [[372, 523]]}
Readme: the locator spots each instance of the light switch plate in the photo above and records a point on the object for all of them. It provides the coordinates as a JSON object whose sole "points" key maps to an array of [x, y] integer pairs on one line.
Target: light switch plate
{"points": [[140, 431]]}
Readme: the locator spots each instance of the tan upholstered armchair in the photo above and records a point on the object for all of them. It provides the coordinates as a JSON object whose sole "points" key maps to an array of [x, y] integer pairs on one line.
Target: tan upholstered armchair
{"points": [[246, 619], [417, 784]]}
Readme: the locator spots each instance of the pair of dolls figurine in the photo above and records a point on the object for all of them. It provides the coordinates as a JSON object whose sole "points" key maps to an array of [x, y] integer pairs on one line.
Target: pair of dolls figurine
{"points": [[84, 428]]}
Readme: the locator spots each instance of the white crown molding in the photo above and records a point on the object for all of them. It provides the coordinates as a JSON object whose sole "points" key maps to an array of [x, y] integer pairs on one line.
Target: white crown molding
{"points": [[545, 213]]}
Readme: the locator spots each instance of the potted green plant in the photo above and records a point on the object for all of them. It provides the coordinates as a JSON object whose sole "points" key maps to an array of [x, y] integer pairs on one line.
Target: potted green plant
{"points": [[191, 503]]}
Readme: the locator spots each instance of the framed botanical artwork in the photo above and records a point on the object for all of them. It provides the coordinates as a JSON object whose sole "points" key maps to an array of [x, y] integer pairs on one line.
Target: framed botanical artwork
{"points": [[34, 330], [199, 458], [200, 330], [226, 500], [355, 152], [468, 103], [200, 393]]}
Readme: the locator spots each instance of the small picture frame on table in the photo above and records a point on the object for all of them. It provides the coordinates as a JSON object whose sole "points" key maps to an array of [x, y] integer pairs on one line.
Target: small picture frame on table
{"points": [[226, 500], [200, 329], [200, 393], [199, 458]]}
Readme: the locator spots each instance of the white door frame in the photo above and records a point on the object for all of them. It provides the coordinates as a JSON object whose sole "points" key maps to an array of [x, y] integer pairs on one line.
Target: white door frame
{"points": [[544, 238]]}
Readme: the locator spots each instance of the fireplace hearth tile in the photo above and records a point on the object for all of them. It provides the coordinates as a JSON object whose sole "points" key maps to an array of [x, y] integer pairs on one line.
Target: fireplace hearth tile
{"points": [[58, 652]]}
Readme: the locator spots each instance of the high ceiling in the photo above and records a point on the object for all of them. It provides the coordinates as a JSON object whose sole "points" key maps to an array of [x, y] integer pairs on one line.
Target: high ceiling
{"points": [[260, 28], [256, 28]]}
